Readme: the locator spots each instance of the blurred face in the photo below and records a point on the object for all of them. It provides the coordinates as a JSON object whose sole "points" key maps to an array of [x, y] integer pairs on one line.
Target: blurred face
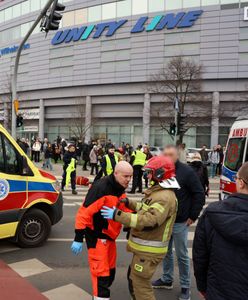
{"points": [[111, 151], [215, 148], [72, 149], [123, 177], [172, 153], [241, 185]]}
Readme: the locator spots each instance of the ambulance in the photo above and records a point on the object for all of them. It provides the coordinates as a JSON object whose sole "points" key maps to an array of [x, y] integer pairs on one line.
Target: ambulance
{"points": [[30, 199], [236, 154]]}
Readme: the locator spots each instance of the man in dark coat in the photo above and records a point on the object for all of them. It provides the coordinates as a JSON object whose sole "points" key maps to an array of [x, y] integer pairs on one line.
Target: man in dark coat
{"points": [[191, 198], [220, 249]]}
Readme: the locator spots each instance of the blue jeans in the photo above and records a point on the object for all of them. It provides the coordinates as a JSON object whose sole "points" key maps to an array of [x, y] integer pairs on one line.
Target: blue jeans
{"points": [[213, 168], [48, 164], [180, 239]]}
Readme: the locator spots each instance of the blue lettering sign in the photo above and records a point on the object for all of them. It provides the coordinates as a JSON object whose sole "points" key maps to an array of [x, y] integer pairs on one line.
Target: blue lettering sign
{"points": [[9, 50], [160, 22]]}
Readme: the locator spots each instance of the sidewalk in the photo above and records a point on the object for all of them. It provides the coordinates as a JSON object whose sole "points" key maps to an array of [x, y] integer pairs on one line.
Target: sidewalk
{"points": [[14, 287]]}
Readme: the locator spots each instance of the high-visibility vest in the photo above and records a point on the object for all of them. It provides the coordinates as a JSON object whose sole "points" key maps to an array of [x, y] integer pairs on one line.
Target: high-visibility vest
{"points": [[71, 168], [109, 168], [140, 158]]}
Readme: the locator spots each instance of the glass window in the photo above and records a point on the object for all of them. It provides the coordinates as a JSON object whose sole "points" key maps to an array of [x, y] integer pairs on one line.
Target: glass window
{"points": [[24, 29], [156, 5], [1, 16], [175, 4], [109, 11], [8, 13], [234, 153], [140, 7], [25, 7], [191, 3], [1, 156], [124, 8], [94, 13], [210, 2], [68, 18], [228, 1], [43, 3], [34, 5], [12, 158], [81, 16], [16, 10], [16, 32]]}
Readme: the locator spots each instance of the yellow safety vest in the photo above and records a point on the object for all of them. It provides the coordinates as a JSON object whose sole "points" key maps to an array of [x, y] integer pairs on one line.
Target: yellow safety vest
{"points": [[140, 158], [71, 168], [109, 168]]}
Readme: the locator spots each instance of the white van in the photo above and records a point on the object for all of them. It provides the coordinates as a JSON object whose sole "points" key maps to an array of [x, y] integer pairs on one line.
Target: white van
{"points": [[236, 154]]}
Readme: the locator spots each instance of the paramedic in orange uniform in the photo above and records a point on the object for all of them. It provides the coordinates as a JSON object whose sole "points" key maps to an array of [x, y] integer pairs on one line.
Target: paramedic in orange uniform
{"points": [[100, 234]]}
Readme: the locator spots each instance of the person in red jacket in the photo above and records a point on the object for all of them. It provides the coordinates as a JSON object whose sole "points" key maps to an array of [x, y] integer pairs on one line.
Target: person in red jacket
{"points": [[100, 234]]}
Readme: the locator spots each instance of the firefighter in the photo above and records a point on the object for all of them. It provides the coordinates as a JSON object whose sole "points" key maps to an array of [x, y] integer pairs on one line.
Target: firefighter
{"points": [[69, 168], [151, 226], [99, 233], [138, 160]]}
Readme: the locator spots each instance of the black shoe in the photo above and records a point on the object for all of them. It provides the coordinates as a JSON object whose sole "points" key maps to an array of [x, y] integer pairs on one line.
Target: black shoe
{"points": [[159, 284], [140, 192], [131, 192], [74, 192]]}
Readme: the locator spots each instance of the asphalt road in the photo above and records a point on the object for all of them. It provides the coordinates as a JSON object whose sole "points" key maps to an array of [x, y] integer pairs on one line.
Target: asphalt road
{"points": [[57, 273]]}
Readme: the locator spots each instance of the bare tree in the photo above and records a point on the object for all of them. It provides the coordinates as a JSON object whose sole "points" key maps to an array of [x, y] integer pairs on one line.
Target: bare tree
{"points": [[77, 123], [6, 99], [181, 80]]}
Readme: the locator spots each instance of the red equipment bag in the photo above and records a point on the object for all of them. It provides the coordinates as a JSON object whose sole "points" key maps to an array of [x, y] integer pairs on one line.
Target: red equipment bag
{"points": [[80, 180]]}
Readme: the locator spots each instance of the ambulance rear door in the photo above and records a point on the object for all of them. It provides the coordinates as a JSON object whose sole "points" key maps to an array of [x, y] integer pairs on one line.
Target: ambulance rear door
{"points": [[13, 187]]}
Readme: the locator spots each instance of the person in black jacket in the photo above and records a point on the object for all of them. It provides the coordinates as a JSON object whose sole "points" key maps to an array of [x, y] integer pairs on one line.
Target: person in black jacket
{"points": [[71, 153], [191, 199], [220, 248], [201, 171]]}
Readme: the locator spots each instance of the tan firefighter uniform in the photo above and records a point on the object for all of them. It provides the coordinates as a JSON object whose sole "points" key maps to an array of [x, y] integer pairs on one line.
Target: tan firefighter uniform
{"points": [[151, 229]]}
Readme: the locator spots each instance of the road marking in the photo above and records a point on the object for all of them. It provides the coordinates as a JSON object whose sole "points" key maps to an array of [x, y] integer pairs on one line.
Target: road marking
{"points": [[69, 291], [29, 267], [71, 240], [6, 249]]}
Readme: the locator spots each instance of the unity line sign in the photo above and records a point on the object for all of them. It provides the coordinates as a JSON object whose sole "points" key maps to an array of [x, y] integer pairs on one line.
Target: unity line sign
{"points": [[160, 22]]}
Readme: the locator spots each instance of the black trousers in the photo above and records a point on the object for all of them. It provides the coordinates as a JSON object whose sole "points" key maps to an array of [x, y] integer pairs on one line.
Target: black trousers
{"points": [[73, 180], [137, 178], [85, 165], [36, 156], [94, 167]]}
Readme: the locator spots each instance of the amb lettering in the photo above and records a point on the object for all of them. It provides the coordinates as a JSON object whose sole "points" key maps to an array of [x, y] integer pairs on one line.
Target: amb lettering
{"points": [[240, 132], [160, 22]]}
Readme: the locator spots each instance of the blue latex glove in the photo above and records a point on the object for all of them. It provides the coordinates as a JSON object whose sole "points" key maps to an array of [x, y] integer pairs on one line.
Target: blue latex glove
{"points": [[77, 247], [108, 213]]}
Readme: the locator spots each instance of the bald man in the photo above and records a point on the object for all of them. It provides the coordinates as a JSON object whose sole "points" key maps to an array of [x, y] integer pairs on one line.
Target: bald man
{"points": [[100, 234]]}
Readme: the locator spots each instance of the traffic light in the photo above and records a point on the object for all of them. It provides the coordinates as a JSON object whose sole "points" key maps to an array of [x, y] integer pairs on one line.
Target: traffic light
{"points": [[51, 22], [181, 123], [19, 121], [173, 129]]}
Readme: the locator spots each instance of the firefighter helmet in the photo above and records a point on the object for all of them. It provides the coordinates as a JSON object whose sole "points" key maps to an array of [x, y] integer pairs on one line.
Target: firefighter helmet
{"points": [[162, 168]]}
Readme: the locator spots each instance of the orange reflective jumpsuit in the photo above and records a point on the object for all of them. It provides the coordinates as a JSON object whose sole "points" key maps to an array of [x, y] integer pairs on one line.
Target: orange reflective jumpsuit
{"points": [[100, 234]]}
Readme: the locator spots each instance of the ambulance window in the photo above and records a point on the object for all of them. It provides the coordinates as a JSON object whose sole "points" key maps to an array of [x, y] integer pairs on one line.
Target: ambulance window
{"points": [[1, 156], [12, 158], [235, 153]]}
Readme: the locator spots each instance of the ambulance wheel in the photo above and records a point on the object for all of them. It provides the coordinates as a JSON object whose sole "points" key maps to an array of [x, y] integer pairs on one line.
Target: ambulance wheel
{"points": [[34, 229]]}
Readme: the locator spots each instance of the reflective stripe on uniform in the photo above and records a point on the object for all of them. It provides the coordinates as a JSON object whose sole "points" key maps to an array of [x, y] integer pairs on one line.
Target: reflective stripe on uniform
{"points": [[134, 220], [138, 206], [145, 207], [159, 207], [156, 244], [168, 226], [147, 248]]}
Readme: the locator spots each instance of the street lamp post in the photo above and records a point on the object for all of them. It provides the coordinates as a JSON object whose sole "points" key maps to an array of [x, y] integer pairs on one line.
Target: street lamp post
{"points": [[17, 59]]}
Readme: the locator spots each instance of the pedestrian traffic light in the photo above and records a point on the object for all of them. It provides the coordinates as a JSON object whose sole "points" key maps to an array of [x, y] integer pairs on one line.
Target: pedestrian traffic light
{"points": [[173, 129], [181, 123], [51, 22], [19, 121]]}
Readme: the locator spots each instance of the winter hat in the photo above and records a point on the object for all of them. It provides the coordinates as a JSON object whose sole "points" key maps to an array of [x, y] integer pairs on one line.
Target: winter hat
{"points": [[196, 157]]}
